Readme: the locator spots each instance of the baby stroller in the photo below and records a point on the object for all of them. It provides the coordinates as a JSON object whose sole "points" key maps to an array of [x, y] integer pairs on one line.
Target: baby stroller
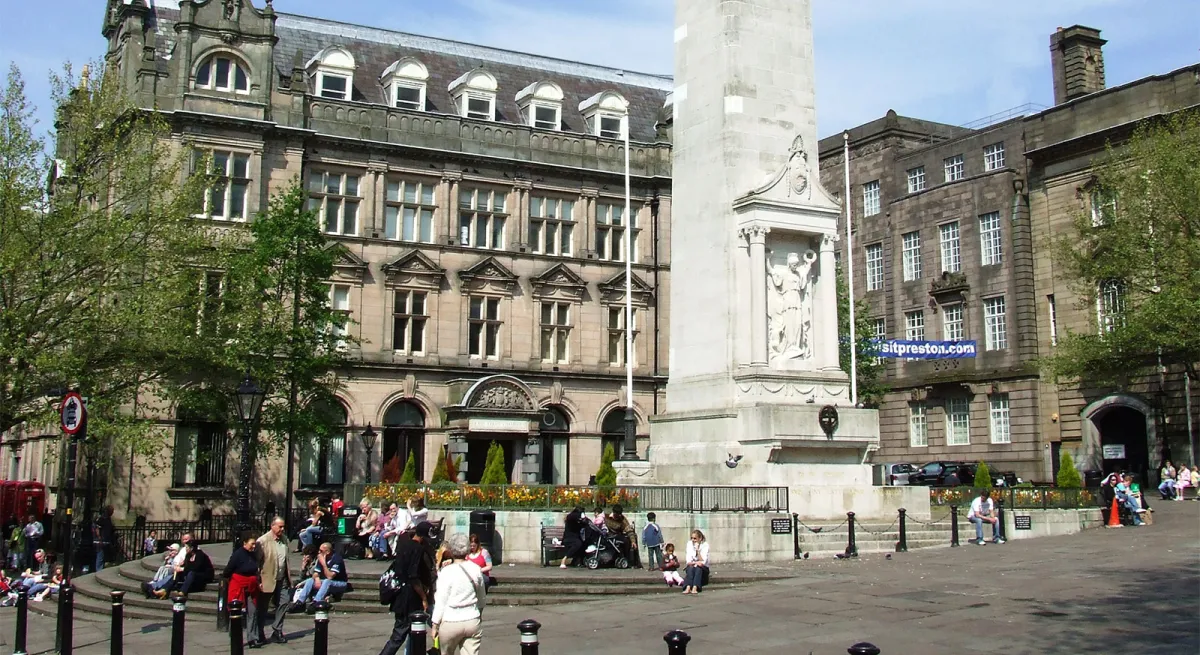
{"points": [[604, 549]]}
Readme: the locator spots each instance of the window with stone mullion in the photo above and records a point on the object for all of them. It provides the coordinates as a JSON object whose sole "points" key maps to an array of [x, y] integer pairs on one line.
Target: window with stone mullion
{"points": [[610, 232], [483, 328], [482, 218], [551, 226], [918, 431], [229, 184], [556, 332], [408, 322], [333, 196], [958, 422], [951, 247], [617, 352], [408, 213]]}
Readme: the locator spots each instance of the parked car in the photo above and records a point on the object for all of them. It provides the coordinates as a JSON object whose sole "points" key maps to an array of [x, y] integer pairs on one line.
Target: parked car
{"points": [[934, 474], [891, 474]]}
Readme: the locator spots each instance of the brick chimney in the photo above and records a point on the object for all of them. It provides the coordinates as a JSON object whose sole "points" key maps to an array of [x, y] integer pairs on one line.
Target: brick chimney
{"points": [[1077, 58]]}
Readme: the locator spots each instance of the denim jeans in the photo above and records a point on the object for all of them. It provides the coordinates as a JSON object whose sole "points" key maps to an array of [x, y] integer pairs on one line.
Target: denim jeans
{"points": [[327, 587], [1167, 488], [694, 577], [979, 528], [655, 555], [308, 534]]}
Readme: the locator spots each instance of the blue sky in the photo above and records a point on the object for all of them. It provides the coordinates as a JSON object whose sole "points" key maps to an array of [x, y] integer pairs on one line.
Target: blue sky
{"points": [[946, 60]]}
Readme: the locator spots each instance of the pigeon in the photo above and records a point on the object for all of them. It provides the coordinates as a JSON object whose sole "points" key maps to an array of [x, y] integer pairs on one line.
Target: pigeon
{"points": [[817, 530], [805, 555], [889, 556], [841, 555], [732, 462]]}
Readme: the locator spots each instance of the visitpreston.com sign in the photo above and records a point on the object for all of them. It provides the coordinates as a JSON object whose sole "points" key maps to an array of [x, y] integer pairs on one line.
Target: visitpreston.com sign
{"points": [[926, 349]]}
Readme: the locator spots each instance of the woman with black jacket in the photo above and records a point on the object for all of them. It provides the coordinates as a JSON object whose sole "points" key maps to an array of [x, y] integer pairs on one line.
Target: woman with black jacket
{"points": [[572, 539]]}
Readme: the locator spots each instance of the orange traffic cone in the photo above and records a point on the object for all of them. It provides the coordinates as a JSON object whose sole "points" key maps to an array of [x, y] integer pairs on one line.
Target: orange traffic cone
{"points": [[1114, 516]]}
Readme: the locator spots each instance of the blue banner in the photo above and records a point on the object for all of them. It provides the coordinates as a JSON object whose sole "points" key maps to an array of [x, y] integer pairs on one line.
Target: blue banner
{"points": [[926, 349]]}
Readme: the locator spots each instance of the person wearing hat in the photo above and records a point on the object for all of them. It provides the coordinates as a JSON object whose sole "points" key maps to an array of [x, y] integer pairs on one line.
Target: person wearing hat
{"points": [[166, 573], [413, 569]]}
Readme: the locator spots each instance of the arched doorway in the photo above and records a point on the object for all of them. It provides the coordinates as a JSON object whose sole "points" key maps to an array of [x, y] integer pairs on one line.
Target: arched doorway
{"points": [[403, 437], [612, 430], [1123, 441], [555, 429]]}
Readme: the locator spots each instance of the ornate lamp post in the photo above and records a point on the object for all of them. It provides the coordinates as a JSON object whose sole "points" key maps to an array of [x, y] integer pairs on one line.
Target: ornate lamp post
{"points": [[249, 398], [368, 437]]}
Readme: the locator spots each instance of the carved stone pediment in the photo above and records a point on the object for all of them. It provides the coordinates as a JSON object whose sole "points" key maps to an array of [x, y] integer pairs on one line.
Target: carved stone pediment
{"points": [[347, 265], [488, 274], [949, 284], [414, 268], [503, 393], [793, 183], [612, 290], [560, 281]]}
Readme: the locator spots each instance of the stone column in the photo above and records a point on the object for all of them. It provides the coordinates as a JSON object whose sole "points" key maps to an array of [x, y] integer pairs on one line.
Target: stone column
{"points": [[450, 182], [826, 329], [756, 235], [458, 452], [531, 467]]}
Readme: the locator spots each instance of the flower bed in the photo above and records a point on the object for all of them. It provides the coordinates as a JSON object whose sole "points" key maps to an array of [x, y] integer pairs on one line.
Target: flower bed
{"points": [[512, 497], [1018, 498]]}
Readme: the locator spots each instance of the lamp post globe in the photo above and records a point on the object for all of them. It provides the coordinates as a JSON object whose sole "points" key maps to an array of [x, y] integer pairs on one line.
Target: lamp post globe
{"points": [[249, 400], [369, 437]]}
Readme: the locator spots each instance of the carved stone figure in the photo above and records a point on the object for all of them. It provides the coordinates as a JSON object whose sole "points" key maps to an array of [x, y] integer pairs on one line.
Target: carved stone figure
{"points": [[500, 397], [231, 9], [789, 307]]}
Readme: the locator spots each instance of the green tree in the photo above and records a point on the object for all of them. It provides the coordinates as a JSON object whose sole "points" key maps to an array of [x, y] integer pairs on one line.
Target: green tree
{"points": [[870, 367], [95, 266], [1068, 475], [410, 470], [493, 470], [606, 476], [440, 474], [983, 476], [1135, 254]]}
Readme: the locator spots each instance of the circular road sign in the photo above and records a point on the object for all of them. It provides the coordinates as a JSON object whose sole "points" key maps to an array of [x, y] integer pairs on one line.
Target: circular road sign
{"points": [[73, 413]]}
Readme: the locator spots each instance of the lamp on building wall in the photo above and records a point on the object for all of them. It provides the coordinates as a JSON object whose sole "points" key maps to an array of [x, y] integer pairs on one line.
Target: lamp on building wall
{"points": [[369, 438], [249, 399]]}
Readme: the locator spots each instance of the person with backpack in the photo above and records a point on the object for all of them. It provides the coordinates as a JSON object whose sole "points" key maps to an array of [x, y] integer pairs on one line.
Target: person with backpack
{"points": [[407, 586]]}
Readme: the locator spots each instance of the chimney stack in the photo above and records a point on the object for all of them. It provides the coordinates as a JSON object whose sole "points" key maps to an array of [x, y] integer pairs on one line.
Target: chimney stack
{"points": [[1077, 58]]}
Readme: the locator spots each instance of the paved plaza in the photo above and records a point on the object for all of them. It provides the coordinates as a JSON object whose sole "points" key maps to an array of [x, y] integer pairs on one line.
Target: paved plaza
{"points": [[1133, 590]]}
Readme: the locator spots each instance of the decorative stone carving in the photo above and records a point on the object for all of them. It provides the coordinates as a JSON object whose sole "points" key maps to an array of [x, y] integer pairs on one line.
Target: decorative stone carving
{"points": [[414, 269], [558, 280], [795, 173], [501, 397], [231, 9], [949, 283], [789, 307]]}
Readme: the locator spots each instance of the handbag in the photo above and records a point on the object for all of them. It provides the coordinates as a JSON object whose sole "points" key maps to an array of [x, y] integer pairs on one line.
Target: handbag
{"points": [[390, 587]]}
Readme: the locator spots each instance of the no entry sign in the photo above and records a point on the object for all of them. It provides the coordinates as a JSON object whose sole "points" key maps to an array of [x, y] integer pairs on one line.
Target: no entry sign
{"points": [[73, 413]]}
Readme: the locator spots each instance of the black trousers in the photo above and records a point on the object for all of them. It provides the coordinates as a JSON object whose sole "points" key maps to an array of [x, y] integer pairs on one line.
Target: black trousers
{"points": [[400, 632]]}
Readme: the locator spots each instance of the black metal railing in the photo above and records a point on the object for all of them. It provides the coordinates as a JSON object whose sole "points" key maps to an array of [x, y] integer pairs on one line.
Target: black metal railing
{"points": [[206, 530], [550, 497], [1020, 497]]}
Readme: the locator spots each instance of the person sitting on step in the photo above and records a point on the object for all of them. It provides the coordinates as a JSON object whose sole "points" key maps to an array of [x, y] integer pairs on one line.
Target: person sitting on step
{"points": [[983, 511], [328, 577]]}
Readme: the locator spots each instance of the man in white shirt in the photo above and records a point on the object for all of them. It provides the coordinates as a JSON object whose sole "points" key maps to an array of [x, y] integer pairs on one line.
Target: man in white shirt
{"points": [[983, 511], [401, 522]]}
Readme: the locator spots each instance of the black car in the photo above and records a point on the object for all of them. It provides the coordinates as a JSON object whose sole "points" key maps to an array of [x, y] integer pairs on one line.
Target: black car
{"points": [[934, 474]]}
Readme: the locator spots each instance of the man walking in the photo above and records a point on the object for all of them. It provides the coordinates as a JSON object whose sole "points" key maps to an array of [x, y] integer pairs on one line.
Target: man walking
{"points": [[33, 537], [413, 569], [982, 511], [275, 583]]}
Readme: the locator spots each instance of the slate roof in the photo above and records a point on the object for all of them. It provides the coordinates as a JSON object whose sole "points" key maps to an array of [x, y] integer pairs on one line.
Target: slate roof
{"points": [[375, 49]]}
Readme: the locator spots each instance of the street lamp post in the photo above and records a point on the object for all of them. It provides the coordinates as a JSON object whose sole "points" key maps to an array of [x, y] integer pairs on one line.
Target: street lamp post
{"points": [[249, 399], [368, 437]]}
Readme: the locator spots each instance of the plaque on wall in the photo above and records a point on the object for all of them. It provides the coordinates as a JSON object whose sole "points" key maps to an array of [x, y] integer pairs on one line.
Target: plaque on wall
{"points": [[781, 526], [1114, 451], [1023, 522]]}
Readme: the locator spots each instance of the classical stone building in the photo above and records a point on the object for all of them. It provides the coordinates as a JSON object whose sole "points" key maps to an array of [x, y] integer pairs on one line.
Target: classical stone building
{"points": [[952, 229], [477, 197]]}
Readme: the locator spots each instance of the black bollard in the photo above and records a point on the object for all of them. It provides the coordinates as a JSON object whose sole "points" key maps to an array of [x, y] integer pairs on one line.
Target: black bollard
{"points": [[419, 627], [236, 647], [66, 619], [796, 535], [851, 547], [321, 629], [954, 526], [902, 545], [1000, 519], [116, 635], [22, 622], [863, 648], [178, 615], [677, 641], [529, 639]]}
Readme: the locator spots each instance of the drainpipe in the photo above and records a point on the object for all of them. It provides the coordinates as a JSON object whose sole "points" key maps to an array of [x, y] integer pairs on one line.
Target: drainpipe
{"points": [[654, 203]]}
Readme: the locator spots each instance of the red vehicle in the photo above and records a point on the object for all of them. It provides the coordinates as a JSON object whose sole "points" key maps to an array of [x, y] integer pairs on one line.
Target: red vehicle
{"points": [[20, 498]]}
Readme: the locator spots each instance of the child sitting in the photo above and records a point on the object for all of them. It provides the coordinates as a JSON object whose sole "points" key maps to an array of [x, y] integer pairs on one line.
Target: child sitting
{"points": [[670, 567], [599, 520]]}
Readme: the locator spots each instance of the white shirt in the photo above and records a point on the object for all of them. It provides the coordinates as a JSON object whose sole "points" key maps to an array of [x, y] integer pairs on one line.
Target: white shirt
{"points": [[460, 593], [694, 556], [402, 522], [979, 508], [181, 557]]}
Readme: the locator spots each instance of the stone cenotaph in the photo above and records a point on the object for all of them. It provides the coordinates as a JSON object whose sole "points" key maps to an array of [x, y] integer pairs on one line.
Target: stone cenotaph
{"points": [[754, 367]]}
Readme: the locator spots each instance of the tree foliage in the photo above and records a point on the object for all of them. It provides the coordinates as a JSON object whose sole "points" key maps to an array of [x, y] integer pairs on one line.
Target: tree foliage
{"points": [[391, 470], [983, 476], [1140, 241], [870, 368], [606, 476], [440, 471], [493, 469], [410, 470], [97, 258], [1068, 475]]}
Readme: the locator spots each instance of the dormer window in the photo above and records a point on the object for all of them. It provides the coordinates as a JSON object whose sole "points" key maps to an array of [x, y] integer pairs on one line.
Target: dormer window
{"points": [[541, 105], [334, 73], [223, 73], [475, 95], [405, 83], [606, 114]]}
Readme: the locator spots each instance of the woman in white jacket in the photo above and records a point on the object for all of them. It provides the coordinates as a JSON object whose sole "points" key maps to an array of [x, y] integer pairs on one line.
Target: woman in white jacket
{"points": [[458, 601], [697, 563]]}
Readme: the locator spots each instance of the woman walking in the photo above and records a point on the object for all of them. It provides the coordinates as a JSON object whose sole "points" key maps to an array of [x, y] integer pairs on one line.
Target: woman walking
{"points": [[458, 600], [697, 563], [242, 573]]}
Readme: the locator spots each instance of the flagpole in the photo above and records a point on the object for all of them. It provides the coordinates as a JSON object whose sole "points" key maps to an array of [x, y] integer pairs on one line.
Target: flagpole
{"points": [[630, 445], [850, 271]]}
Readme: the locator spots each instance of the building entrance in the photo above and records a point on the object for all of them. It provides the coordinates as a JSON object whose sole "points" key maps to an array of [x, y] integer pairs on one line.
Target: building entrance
{"points": [[1123, 442], [477, 449]]}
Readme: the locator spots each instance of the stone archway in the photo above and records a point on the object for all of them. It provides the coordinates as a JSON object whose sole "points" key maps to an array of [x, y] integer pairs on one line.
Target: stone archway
{"points": [[1126, 421]]}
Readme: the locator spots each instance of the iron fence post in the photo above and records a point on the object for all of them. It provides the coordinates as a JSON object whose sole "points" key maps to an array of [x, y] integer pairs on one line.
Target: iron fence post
{"points": [[419, 627], [529, 636], [1000, 519], [235, 628], [902, 545], [321, 629], [677, 641], [116, 636], [796, 535], [22, 622], [66, 619], [851, 547], [954, 526], [178, 615]]}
